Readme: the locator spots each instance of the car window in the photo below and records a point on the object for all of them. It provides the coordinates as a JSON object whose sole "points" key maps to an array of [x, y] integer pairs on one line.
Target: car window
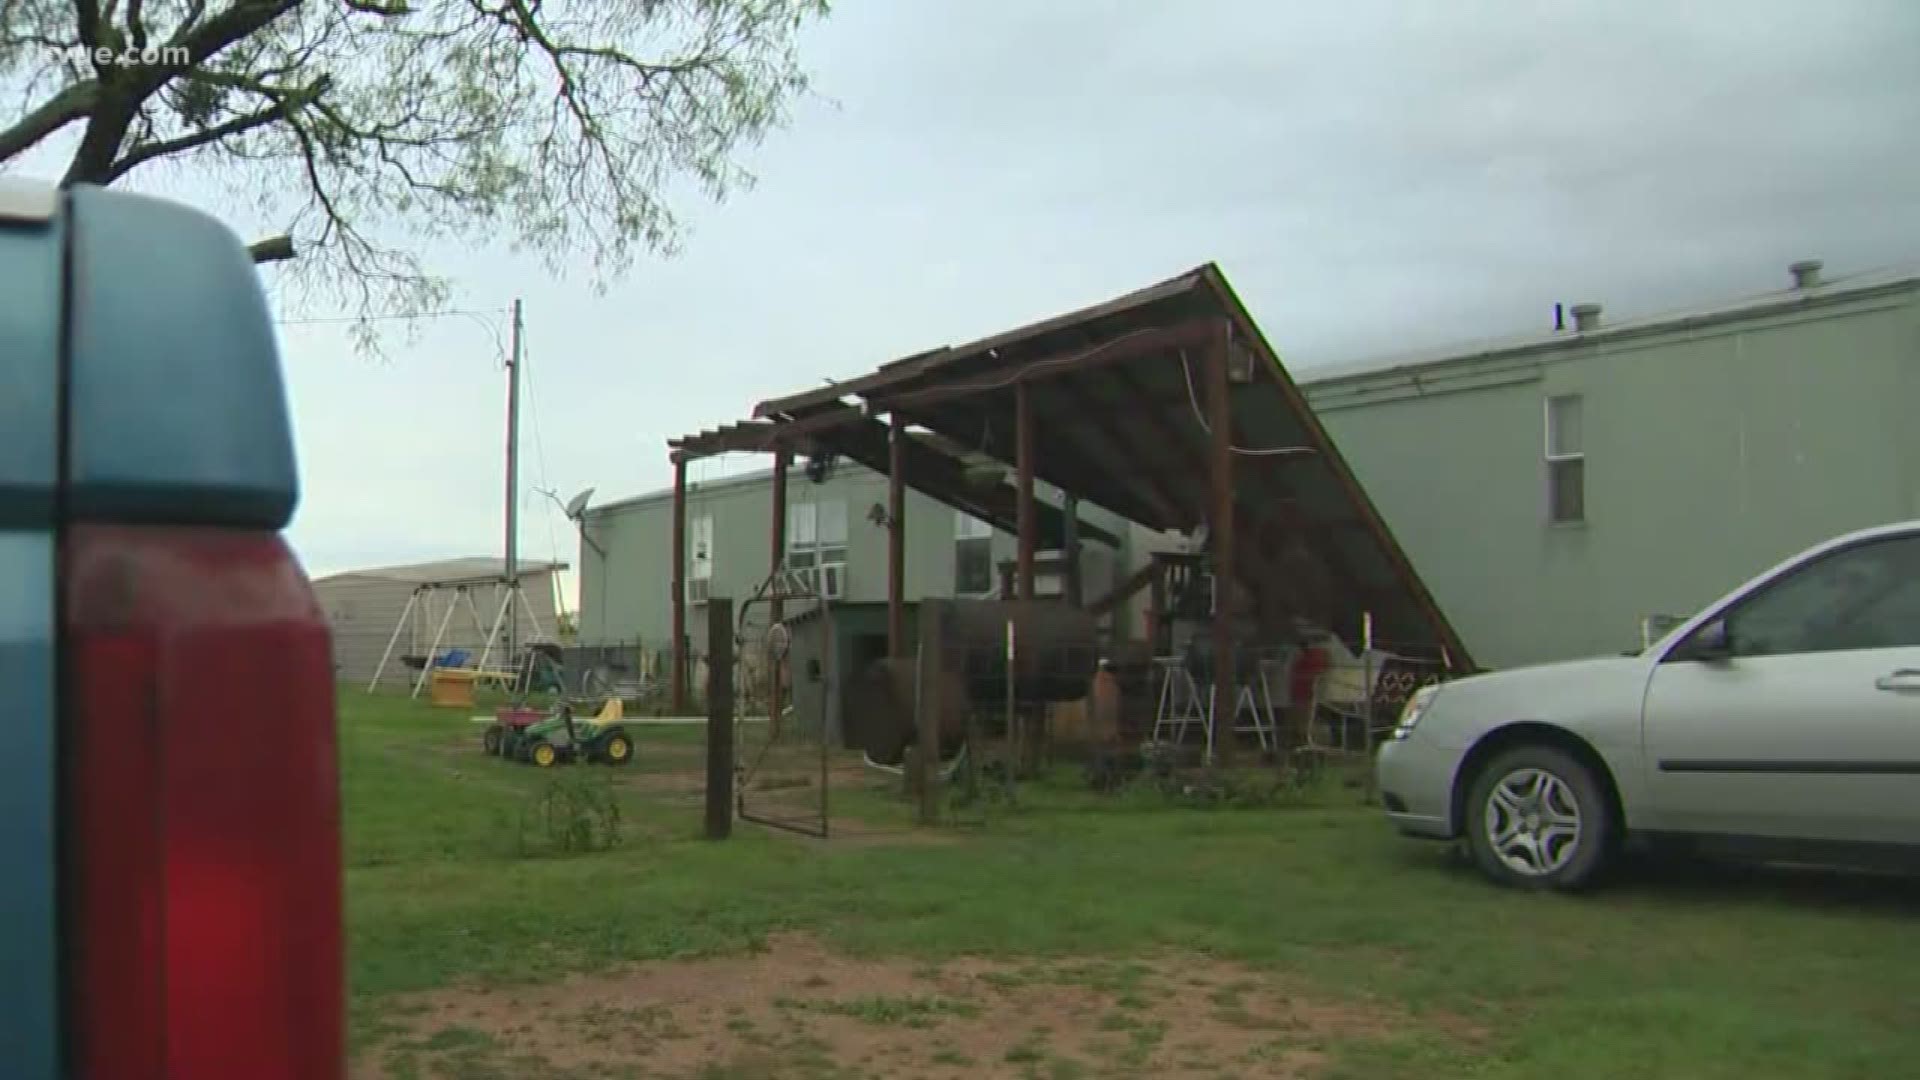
{"points": [[1864, 597]]}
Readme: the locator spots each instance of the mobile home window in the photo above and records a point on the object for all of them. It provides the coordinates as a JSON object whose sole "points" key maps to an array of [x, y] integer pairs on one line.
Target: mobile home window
{"points": [[972, 555], [817, 544], [1566, 460], [702, 553]]}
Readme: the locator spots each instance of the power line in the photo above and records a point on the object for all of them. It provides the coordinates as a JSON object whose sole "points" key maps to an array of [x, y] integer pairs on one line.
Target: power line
{"points": [[396, 317]]}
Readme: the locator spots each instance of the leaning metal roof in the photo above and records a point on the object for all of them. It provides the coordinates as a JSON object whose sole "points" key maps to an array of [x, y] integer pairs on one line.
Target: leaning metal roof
{"points": [[1114, 392]]}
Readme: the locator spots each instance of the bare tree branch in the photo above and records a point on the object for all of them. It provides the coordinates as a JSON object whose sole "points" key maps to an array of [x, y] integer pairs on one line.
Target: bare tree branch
{"points": [[142, 153]]}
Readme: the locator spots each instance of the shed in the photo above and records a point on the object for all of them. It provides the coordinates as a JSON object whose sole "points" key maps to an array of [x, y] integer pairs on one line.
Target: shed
{"points": [[821, 663]]}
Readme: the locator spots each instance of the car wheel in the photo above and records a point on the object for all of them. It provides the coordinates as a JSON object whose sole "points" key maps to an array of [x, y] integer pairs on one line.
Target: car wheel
{"points": [[543, 755], [490, 742], [1538, 819]]}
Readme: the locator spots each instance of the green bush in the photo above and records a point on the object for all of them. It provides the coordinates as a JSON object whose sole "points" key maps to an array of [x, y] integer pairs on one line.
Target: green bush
{"points": [[576, 811]]}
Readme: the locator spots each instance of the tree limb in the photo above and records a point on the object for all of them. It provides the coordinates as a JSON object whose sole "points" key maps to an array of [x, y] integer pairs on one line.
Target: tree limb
{"points": [[272, 249], [87, 15], [56, 112]]}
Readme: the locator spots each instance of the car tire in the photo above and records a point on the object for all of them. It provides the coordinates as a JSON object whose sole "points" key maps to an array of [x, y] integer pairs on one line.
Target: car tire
{"points": [[1537, 818], [491, 740], [543, 755]]}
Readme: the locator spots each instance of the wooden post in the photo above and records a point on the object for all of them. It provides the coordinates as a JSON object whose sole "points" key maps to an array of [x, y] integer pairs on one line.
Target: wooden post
{"points": [[897, 537], [1072, 546], [777, 606], [719, 718], [1023, 459], [679, 692], [928, 701], [777, 534], [1220, 536]]}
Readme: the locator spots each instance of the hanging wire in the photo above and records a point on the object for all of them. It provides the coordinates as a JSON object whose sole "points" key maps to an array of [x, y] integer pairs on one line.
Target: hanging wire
{"points": [[480, 316], [539, 445], [1194, 400]]}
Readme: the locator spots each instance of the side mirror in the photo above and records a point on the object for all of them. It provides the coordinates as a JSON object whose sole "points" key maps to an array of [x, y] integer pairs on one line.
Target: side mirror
{"points": [[1710, 643]]}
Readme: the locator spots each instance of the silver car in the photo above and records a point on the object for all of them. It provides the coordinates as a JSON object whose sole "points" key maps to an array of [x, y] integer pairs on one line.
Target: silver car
{"points": [[1782, 722]]}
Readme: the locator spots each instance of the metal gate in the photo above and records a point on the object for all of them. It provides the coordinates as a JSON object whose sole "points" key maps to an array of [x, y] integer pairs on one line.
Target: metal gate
{"points": [[784, 724]]}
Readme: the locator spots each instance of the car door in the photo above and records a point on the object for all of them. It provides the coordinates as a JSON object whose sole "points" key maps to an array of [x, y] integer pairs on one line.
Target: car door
{"points": [[30, 244], [1794, 713]]}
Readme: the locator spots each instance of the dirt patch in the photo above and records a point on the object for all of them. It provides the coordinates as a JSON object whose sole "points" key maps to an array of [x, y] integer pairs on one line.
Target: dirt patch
{"points": [[800, 1010]]}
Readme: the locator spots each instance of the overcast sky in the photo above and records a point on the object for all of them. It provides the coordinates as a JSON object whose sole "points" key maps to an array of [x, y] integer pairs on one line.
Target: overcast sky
{"points": [[1373, 177]]}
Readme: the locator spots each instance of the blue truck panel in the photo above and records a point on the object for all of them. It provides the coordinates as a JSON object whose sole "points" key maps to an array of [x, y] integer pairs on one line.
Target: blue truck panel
{"points": [[29, 371], [30, 265], [29, 1033], [178, 413]]}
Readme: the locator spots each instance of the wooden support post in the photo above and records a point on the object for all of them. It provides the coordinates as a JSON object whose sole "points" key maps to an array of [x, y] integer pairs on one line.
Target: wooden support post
{"points": [[928, 699], [897, 537], [679, 692], [1028, 520], [719, 718], [1072, 550], [777, 534], [1220, 532]]}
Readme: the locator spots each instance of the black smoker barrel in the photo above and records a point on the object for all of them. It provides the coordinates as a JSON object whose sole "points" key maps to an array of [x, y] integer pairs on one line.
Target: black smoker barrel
{"points": [[1057, 650]]}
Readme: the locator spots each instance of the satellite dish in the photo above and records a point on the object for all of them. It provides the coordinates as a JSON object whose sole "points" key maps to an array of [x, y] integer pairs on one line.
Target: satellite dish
{"points": [[578, 504]]}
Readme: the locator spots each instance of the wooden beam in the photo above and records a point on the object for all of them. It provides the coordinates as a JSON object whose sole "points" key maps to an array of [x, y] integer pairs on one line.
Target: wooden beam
{"points": [[720, 718], [679, 587], [1174, 507], [777, 534], [1071, 549], [1023, 455], [941, 478], [897, 537], [1125, 591], [1221, 539], [967, 423], [929, 378], [1173, 442]]}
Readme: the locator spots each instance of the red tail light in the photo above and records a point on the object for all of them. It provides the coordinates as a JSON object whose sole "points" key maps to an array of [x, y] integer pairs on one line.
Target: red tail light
{"points": [[202, 810]]}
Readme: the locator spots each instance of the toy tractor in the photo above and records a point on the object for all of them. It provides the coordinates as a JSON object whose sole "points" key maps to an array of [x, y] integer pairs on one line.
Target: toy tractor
{"points": [[564, 738]]}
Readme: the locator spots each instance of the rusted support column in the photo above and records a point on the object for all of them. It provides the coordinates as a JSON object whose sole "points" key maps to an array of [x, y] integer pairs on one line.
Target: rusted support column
{"points": [[1028, 520], [1071, 548], [679, 585], [719, 718], [1220, 536], [777, 535], [897, 537], [1157, 606]]}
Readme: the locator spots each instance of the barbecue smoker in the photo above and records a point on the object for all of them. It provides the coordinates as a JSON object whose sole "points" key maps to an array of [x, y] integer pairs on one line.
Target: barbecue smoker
{"points": [[1056, 655]]}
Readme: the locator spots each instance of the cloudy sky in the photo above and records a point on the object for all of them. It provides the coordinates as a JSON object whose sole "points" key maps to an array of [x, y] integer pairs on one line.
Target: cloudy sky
{"points": [[1373, 177]]}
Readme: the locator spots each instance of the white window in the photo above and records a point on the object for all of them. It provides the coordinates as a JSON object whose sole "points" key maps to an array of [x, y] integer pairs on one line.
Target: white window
{"points": [[972, 556], [1566, 460], [700, 559], [817, 545]]}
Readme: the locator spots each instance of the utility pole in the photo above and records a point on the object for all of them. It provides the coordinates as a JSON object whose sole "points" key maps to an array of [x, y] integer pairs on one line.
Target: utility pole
{"points": [[512, 568]]}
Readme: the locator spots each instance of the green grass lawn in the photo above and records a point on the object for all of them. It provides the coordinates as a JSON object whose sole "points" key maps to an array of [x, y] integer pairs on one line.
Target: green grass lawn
{"points": [[1668, 973]]}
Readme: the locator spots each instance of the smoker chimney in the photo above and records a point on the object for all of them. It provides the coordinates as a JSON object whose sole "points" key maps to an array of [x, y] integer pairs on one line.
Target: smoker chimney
{"points": [[1806, 273], [1586, 317]]}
